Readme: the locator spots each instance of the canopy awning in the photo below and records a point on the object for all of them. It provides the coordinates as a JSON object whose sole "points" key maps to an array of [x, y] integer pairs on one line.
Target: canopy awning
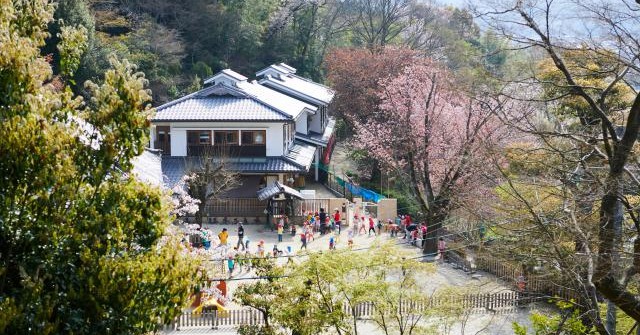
{"points": [[277, 188]]}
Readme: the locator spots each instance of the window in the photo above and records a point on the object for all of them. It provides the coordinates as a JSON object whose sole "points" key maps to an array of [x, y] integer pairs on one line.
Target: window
{"points": [[226, 137], [199, 137], [253, 137]]}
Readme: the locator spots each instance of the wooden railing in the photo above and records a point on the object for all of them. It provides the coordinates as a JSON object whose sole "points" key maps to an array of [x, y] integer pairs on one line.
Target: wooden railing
{"points": [[535, 285], [252, 207], [470, 303], [236, 207]]}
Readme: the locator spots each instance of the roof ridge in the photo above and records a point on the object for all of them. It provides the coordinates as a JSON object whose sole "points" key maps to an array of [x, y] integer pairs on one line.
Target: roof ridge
{"points": [[280, 93], [198, 92], [310, 81]]}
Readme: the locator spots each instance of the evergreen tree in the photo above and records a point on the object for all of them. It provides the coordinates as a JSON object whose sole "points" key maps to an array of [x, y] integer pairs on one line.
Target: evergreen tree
{"points": [[81, 241]]}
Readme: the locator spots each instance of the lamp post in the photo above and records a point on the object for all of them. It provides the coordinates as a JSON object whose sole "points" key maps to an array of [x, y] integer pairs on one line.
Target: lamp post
{"points": [[266, 214]]}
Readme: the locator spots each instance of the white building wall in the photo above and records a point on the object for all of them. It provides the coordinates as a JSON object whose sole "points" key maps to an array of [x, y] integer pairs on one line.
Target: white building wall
{"points": [[178, 142], [273, 130], [301, 123], [316, 124], [152, 137]]}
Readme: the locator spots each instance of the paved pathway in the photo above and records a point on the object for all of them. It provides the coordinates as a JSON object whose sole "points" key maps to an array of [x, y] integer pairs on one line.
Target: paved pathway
{"points": [[445, 275]]}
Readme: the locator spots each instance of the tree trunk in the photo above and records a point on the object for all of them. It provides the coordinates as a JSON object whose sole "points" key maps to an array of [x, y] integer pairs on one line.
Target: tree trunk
{"points": [[610, 324], [435, 222], [605, 277], [615, 268], [200, 213]]}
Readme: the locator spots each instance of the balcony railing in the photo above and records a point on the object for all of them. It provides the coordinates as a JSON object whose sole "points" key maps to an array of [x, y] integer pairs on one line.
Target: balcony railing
{"points": [[228, 150]]}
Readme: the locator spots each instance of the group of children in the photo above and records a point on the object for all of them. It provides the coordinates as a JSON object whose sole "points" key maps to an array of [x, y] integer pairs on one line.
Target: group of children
{"points": [[326, 224]]}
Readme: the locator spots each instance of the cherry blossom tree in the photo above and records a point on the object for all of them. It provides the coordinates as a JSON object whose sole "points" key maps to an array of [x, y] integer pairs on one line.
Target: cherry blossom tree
{"points": [[183, 203], [355, 74], [434, 133]]}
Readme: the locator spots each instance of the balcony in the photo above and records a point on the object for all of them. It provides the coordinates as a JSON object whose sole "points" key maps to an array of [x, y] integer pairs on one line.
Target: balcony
{"points": [[228, 150]]}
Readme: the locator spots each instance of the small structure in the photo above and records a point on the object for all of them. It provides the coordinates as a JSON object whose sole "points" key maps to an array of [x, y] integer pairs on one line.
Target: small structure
{"points": [[275, 190]]}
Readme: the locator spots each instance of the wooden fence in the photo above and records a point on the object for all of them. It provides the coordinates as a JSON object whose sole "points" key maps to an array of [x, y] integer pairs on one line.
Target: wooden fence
{"points": [[236, 207], [251, 208], [534, 285], [469, 303], [216, 319]]}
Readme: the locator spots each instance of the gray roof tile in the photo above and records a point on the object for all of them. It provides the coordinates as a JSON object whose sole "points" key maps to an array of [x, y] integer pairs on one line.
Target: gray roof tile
{"points": [[301, 154], [173, 168], [218, 108], [302, 86], [277, 188]]}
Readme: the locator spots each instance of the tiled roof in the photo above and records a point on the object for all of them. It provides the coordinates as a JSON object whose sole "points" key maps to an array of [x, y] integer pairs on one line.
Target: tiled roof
{"points": [[277, 188], [272, 98], [319, 139], [245, 101], [218, 108], [173, 168], [304, 88], [147, 167], [301, 154], [281, 68]]}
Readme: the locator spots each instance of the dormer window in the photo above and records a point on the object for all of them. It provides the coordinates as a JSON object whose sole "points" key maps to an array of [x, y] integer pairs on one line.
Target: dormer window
{"points": [[227, 77]]}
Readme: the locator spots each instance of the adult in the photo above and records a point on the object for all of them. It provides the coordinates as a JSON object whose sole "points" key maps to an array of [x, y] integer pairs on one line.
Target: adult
{"points": [[336, 220], [403, 225], [223, 236], [241, 237], [323, 221]]}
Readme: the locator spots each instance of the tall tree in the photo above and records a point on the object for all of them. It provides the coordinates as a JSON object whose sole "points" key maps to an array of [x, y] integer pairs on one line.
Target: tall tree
{"points": [[425, 126], [355, 74], [375, 23], [612, 136], [80, 250]]}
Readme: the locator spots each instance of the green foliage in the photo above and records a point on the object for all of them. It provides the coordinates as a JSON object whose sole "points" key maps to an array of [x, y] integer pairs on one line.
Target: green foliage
{"points": [[310, 297], [566, 322], [81, 247], [592, 70], [93, 61], [73, 42]]}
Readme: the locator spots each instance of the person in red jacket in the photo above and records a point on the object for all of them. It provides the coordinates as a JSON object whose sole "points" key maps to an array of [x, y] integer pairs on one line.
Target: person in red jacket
{"points": [[336, 219], [372, 226]]}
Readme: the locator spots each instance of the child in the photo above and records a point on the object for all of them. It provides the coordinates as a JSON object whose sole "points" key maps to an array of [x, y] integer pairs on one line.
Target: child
{"points": [[372, 226], [230, 263], [261, 248], [442, 247], [331, 243], [362, 226], [293, 230], [303, 239], [280, 231], [276, 251], [350, 238], [414, 237]]}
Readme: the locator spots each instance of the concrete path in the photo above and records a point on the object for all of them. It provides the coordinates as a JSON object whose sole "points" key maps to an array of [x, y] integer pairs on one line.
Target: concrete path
{"points": [[445, 275]]}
